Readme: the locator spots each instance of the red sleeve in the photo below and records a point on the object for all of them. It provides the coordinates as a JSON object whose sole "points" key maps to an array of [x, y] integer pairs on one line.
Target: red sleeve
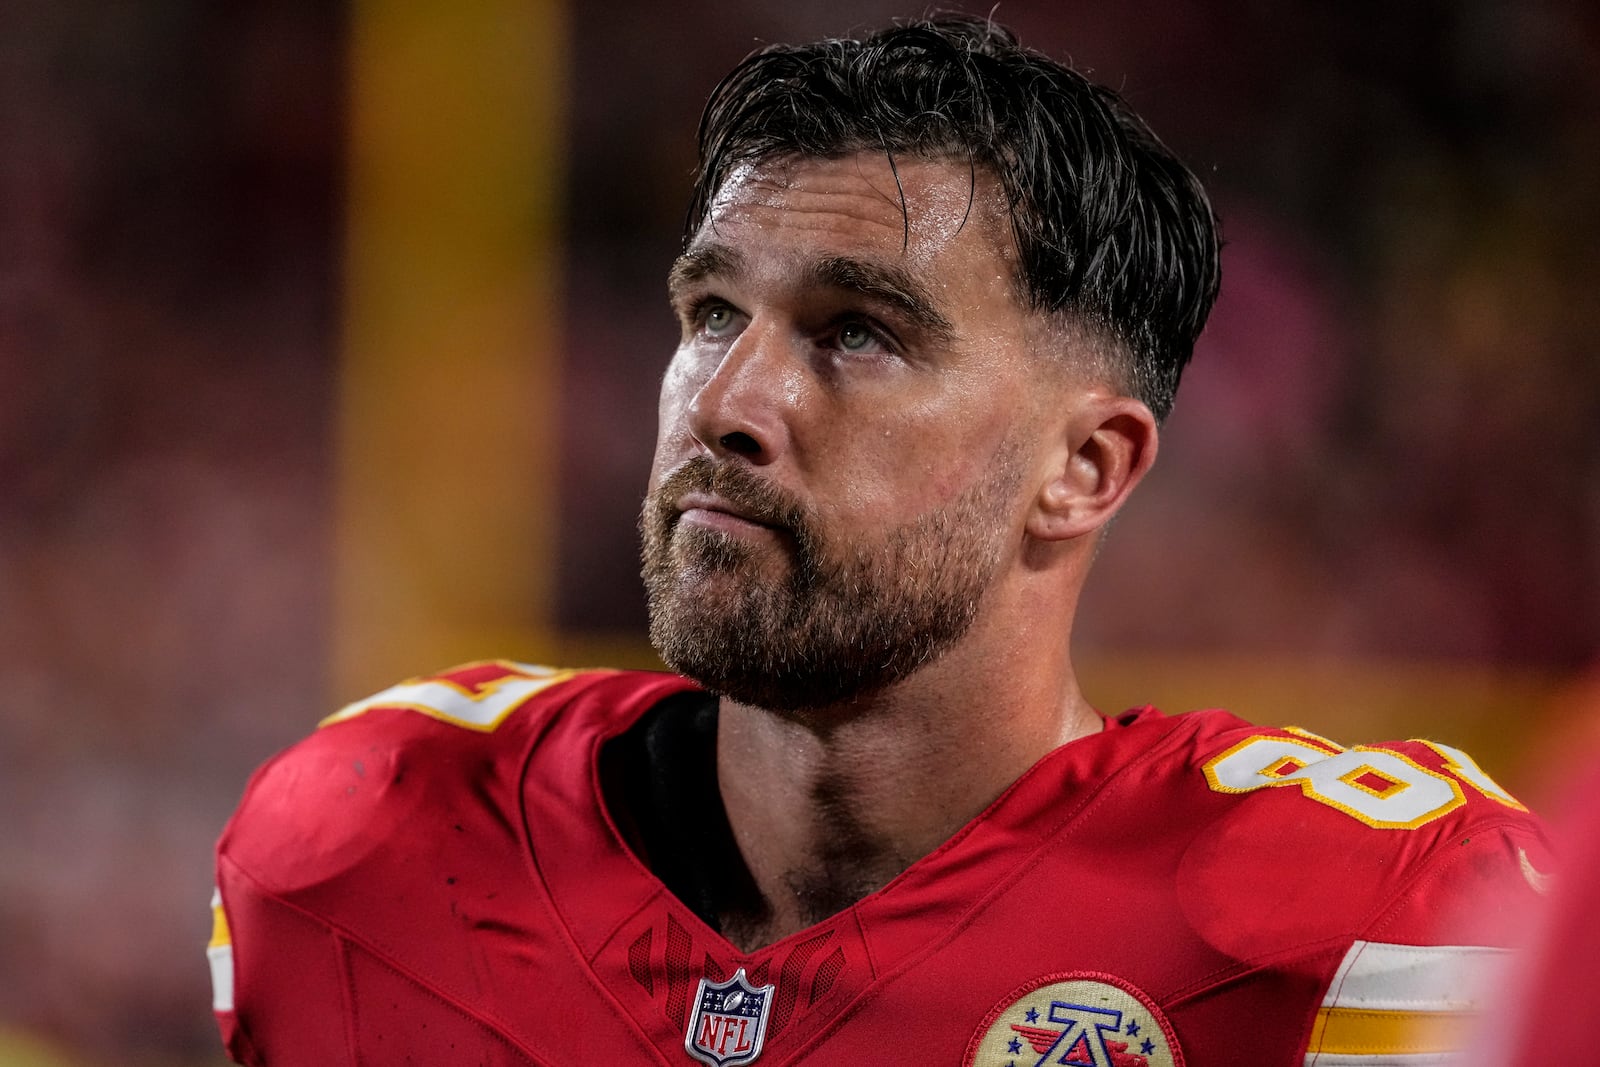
{"points": [[1433, 961], [324, 851], [1403, 869], [278, 949], [1480, 890]]}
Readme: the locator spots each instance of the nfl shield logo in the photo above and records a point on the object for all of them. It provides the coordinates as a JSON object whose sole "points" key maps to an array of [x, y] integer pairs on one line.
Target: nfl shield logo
{"points": [[729, 1021]]}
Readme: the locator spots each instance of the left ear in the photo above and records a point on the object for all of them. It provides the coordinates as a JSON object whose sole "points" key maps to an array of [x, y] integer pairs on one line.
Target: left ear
{"points": [[1108, 445]]}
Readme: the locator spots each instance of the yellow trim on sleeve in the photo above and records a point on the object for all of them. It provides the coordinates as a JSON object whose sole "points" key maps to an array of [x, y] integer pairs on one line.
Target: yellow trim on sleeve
{"points": [[1370, 1032], [219, 925]]}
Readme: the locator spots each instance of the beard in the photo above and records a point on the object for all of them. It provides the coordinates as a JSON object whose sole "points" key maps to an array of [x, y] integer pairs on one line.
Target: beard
{"points": [[845, 620]]}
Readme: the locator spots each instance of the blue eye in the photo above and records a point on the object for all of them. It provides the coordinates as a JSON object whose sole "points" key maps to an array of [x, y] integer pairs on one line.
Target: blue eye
{"points": [[853, 337], [718, 318]]}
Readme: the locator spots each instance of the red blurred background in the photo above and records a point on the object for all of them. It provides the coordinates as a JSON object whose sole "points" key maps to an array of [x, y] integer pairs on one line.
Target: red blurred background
{"points": [[330, 335]]}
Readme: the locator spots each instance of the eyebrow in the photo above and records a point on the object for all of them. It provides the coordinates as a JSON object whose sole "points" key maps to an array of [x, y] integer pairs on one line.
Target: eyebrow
{"points": [[698, 264], [888, 284], [885, 283]]}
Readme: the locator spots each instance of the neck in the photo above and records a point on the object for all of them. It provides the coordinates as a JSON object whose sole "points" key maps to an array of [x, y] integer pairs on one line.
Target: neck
{"points": [[831, 805]]}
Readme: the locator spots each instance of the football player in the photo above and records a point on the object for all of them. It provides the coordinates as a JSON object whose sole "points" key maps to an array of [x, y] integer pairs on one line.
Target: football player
{"points": [[935, 297]]}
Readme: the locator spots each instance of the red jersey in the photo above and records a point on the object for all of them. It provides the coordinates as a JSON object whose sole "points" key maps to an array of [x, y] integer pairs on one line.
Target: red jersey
{"points": [[433, 877]]}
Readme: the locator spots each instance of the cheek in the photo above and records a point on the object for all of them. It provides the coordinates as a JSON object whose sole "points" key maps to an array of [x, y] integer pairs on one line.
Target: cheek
{"points": [[681, 379], [679, 385], [926, 459], [888, 472], [670, 407]]}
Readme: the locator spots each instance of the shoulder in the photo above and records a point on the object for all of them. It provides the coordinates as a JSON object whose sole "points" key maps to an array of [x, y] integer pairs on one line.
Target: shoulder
{"points": [[431, 751], [1404, 841]]}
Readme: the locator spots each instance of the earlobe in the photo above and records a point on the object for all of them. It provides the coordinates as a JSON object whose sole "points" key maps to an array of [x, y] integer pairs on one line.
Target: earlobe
{"points": [[1109, 447]]}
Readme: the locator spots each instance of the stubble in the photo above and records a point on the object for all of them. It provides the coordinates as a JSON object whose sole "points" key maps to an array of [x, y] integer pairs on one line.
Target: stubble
{"points": [[838, 620]]}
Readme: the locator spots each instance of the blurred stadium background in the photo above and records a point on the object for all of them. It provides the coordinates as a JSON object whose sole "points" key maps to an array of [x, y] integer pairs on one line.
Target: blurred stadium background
{"points": [[329, 338]]}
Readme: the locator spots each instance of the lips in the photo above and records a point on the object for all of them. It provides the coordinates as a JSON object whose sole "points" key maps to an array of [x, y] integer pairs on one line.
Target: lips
{"points": [[719, 505], [726, 497]]}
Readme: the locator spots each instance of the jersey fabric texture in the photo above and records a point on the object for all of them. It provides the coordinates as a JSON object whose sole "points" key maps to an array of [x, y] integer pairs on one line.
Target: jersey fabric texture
{"points": [[434, 877]]}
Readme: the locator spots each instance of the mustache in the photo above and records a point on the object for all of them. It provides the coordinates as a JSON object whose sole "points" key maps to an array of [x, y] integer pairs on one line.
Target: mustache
{"points": [[739, 486]]}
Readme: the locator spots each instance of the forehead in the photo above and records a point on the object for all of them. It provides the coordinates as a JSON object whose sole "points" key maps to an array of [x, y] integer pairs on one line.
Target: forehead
{"points": [[913, 210]]}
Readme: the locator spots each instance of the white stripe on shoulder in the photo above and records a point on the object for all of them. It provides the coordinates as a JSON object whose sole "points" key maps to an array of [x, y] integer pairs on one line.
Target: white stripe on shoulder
{"points": [[220, 953], [1421, 1059], [221, 958], [1388, 977]]}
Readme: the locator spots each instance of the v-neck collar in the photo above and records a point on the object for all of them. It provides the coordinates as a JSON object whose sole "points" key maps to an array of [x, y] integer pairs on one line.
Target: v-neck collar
{"points": [[592, 879]]}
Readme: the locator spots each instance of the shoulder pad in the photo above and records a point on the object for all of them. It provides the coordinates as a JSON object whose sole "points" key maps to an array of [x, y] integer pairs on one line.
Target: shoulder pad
{"points": [[1410, 839], [383, 775]]}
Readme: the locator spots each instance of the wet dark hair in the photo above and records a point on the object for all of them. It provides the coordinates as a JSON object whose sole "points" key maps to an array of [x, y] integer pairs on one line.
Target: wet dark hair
{"points": [[1110, 227]]}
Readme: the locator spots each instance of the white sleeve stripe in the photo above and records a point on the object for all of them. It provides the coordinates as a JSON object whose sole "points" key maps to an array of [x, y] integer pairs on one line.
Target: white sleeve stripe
{"points": [[1415, 1059], [1386, 977], [221, 957]]}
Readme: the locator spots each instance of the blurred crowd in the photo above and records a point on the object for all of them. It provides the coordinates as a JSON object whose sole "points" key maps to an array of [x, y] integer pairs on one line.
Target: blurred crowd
{"points": [[1387, 449]]}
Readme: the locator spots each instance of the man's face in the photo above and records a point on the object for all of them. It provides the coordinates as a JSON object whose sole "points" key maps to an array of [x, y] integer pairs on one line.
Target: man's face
{"points": [[846, 428]]}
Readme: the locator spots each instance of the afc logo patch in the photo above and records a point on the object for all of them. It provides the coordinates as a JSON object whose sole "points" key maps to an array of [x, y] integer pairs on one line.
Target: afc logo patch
{"points": [[729, 1021], [1079, 1019]]}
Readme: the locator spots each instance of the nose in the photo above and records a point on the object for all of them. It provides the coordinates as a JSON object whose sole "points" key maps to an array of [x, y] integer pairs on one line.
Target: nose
{"points": [[743, 405]]}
